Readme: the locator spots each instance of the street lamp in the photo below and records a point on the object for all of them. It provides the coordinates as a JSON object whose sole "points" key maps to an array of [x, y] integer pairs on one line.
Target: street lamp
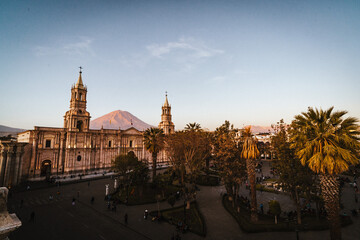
{"points": [[106, 189]]}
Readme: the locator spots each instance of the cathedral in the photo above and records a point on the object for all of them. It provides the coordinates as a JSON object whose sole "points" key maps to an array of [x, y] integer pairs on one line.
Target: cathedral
{"points": [[74, 149]]}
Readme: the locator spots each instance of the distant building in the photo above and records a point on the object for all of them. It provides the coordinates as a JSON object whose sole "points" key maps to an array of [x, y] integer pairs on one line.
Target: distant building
{"points": [[49, 151]]}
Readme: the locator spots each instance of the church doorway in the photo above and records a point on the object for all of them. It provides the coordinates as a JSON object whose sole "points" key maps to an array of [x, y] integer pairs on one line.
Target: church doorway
{"points": [[46, 169]]}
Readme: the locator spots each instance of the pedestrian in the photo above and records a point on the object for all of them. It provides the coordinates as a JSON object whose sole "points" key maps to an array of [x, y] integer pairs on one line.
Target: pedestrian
{"points": [[146, 213], [126, 218], [32, 216], [28, 187], [262, 208], [92, 200], [73, 202]]}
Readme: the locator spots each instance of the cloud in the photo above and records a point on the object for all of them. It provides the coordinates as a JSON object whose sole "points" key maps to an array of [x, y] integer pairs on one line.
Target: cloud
{"points": [[80, 47], [191, 47], [185, 54]]}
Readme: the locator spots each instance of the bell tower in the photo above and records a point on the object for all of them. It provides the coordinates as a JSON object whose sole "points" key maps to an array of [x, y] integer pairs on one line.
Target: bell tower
{"points": [[166, 125], [77, 118]]}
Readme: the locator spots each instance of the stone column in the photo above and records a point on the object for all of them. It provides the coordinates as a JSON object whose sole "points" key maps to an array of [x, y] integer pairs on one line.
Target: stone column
{"points": [[8, 222], [9, 150], [34, 153], [2, 165], [101, 149], [18, 164]]}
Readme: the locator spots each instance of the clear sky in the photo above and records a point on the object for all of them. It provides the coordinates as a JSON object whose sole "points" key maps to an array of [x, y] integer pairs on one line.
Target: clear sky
{"points": [[249, 62]]}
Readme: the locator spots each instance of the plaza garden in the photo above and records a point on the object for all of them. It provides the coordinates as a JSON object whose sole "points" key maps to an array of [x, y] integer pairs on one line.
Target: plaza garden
{"points": [[315, 156]]}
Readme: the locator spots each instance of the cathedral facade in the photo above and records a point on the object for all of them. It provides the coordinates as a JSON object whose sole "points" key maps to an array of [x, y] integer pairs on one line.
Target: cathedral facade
{"points": [[77, 149]]}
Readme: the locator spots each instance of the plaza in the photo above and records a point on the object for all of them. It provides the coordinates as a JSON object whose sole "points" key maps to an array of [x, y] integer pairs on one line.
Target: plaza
{"points": [[59, 219]]}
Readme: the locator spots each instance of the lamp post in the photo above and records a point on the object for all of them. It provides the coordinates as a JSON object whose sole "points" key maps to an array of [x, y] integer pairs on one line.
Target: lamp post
{"points": [[115, 183], [106, 189]]}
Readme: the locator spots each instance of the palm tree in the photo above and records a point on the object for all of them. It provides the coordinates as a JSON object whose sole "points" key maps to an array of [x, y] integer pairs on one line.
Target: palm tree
{"points": [[328, 145], [250, 152], [154, 143], [193, 127]]}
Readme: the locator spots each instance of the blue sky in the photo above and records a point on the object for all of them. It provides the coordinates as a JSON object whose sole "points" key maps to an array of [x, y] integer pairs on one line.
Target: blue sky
{"points": [[249, 62]]}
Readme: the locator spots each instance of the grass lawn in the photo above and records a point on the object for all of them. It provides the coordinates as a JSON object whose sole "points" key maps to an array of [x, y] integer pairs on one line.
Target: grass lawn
{"points": [[194, 219], [266, 222], [144, 195]]}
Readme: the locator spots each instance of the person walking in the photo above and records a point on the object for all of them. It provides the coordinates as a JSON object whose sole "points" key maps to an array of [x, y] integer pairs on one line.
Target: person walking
{"points": [[32, 216], [146, 213], [126, 218], [262, 208], [73, 202], [92, 200]]}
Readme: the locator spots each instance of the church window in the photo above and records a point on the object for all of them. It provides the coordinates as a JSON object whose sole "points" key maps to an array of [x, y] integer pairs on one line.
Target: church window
{"points": [[48, 143], [80, 97], [109, 143], [130, 143], [78, 158], [75, 95]]}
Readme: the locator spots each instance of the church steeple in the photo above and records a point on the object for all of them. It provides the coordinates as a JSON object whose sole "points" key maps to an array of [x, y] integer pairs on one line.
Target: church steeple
{"points": [[166, 104], [77, 118], [166, 124], [79, 83]]}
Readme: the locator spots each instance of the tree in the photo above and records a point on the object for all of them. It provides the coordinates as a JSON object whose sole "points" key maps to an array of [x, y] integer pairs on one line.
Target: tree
{"points": [[328, 144], [171, 200], [250, 152], [154, 143], [188, 152], [226, 153], [294, 178], [193, 127], [125, 164], [140, 175], [274, 208]]}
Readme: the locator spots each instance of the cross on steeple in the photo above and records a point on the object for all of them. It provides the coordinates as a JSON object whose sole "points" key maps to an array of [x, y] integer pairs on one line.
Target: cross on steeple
{"points": [[80, 69], [165, 93]]}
